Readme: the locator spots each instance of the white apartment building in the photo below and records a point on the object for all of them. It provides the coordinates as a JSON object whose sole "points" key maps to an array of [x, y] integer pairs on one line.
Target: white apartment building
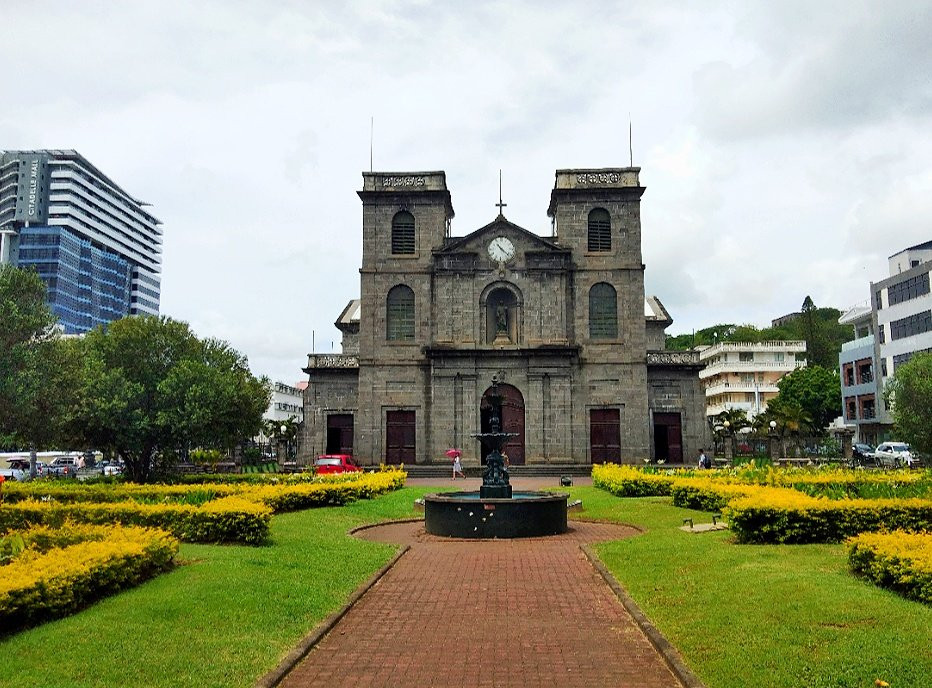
{"points": [[744, 375], [287, 402], [896, 325]]}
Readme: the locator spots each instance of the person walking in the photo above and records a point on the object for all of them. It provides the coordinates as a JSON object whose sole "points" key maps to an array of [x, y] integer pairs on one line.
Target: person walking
{"points": [[458, 468], [704, 460]]}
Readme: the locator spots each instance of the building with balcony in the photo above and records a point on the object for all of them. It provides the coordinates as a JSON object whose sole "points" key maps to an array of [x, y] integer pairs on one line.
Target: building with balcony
{"points": [[97, 248], [744, 375], [560, 322], [861, 400], [896, 325]]}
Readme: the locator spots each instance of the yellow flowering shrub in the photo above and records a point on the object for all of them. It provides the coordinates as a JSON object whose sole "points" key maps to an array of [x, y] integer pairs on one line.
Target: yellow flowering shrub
{"points": [[773, 515], [285, 496], [41, 584], [629, 481], [899, 560], [230, 519]]}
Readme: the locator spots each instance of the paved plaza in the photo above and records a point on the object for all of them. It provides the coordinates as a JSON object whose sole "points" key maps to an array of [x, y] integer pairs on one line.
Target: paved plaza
{"points": [[528, 612]]}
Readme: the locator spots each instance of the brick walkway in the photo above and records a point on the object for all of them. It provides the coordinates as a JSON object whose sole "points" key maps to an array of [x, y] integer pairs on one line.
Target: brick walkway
{"points": [[529, 612]]}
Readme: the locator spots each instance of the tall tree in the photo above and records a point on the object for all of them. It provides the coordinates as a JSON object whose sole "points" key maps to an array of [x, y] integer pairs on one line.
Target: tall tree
{"points": [[151, 386], [37, 369], [909, 392], [815, 390]]}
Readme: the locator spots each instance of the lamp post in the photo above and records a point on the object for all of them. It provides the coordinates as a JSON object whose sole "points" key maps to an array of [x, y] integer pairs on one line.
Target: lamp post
{"points": [[729, 444], [284, 440], [772, 444]]}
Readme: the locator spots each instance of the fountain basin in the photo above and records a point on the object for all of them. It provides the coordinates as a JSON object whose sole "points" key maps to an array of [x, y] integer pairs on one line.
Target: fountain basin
{"points": [[468, 515]]}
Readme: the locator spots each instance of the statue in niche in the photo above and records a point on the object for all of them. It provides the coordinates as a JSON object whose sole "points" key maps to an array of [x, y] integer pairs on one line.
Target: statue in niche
{"points": [[501, 319]]}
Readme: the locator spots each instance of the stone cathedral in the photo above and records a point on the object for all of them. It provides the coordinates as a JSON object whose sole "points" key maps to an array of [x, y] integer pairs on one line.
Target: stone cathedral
{"points": [[561, 321]]}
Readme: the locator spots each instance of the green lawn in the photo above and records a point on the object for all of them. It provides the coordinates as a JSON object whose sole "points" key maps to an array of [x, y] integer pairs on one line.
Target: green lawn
{"points": [[223, 618], [746, 615], [741, 615]]}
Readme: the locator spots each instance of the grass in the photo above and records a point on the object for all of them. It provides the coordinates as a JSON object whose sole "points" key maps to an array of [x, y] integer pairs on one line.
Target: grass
{"points": [[746, 615], [223, 618], [741, 615]]}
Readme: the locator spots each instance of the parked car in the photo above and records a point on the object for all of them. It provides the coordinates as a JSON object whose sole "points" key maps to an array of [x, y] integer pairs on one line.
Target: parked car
{"points": [[335, 463], [891, 454], [862, 454], [19, 469], [62, 467]]}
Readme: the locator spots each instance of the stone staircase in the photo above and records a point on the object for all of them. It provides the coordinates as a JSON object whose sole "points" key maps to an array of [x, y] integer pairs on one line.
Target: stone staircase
{"points": [[535, 470]]}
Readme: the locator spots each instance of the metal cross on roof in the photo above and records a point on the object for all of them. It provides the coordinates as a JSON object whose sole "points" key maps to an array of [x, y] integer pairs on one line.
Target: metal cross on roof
{"points": [[500, 205]]}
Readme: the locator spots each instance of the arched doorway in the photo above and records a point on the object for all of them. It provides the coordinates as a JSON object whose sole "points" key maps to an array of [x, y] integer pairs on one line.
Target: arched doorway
{"points": [[512, 421]]}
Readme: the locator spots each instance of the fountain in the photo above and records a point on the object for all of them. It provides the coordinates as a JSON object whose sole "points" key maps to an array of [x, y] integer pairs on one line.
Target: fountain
{"points": [[495, 511]]}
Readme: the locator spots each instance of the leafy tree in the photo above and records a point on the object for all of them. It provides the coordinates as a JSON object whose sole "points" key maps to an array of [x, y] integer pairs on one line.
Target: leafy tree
{"points": [[909, 392], [737, 419], [815, 390], [150, 386], [789, 415], [37, 369]]}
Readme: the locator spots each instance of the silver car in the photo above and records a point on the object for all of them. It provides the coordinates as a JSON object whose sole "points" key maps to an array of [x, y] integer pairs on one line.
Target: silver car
{"points": [[893, 454]]}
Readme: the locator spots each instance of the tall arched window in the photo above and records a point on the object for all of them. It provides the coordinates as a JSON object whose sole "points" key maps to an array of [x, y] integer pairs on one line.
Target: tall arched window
{"points": [[600, 230], [403, 233], [399, 314], [603, 312]]}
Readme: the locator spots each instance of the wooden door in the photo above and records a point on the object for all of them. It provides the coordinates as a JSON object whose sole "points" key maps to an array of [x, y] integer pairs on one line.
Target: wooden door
{"points": [[399, 437], [340, 433], [668, 437], [605, 435], [512, 421]]}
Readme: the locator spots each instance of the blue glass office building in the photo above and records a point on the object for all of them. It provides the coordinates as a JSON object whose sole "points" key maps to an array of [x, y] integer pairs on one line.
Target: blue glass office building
{"points": [[97, 248]]}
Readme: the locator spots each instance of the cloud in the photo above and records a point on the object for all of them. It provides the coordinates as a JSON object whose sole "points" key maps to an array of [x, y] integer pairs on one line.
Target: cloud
{"points": [[822, 66], [784, 146]]}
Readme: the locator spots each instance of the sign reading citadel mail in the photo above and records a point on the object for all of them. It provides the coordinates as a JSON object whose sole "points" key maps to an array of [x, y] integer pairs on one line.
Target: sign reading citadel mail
{"points": [[32, 200]]}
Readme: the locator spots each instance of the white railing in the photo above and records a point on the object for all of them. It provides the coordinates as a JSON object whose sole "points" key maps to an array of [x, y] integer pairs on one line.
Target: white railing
{"points": [[741, 387], [791, 346], [858, 343], [749, 366]]}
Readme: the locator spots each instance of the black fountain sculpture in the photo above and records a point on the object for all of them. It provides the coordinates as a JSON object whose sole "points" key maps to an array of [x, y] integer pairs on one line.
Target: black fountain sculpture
{"points": [[495, 482], [495, 511]]}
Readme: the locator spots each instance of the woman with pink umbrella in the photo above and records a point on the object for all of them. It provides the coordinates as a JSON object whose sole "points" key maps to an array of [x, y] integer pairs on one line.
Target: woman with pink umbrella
{"points": [[457, 466]]}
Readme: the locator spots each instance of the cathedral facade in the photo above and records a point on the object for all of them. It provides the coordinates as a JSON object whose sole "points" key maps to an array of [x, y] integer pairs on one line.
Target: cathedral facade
{"points": [[561, 322]]}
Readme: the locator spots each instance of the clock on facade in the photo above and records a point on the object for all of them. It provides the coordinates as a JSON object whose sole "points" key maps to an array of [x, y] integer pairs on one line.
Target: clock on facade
{"points": [[501, 249]]}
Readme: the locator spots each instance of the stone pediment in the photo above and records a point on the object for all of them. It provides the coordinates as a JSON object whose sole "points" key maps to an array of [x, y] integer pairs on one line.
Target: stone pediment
{"points": [[471, 252]]}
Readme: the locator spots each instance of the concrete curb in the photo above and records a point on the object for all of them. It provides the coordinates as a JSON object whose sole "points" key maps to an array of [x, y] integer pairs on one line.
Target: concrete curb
{"points": [[306, 644], [661, 644]]}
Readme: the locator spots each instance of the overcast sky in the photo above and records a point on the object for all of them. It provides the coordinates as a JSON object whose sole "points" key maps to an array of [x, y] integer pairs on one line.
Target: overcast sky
{"points": [[785, 146]]}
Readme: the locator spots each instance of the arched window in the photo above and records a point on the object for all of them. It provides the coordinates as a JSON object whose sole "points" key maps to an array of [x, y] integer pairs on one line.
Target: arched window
{"points": [[399, 314], [403, 232], [603, 312], [600, 230]]}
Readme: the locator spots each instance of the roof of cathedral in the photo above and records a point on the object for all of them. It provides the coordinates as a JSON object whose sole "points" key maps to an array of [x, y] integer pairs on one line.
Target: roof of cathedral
{"points": [[349, 316], [496, 225], [654, 310]]}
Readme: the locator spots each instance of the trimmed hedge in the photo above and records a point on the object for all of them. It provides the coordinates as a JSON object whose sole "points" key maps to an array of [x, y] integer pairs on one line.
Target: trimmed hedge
{"points": [[773, 516], [899, 561], [45, 582], [627, 481], [283, 496], [231, 519]]}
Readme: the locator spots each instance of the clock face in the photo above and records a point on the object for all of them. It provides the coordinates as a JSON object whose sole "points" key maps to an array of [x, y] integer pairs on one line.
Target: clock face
{"points": [[501, 249]]}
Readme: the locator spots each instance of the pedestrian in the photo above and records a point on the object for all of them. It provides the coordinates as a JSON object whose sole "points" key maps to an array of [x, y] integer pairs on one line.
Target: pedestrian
{"points": [[704, 460], [458, 468]]}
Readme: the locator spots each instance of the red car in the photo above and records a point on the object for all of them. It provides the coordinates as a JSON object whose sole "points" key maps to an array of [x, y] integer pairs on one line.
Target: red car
{"points": [[335, 463]]}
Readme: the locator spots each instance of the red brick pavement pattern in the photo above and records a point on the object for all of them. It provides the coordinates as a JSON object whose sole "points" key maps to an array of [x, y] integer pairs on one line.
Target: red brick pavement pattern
{"points": [[529, 612]]}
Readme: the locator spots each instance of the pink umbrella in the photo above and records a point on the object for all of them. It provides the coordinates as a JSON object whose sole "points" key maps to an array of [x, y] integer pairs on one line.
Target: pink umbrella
{"points": [[454, 453]]}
